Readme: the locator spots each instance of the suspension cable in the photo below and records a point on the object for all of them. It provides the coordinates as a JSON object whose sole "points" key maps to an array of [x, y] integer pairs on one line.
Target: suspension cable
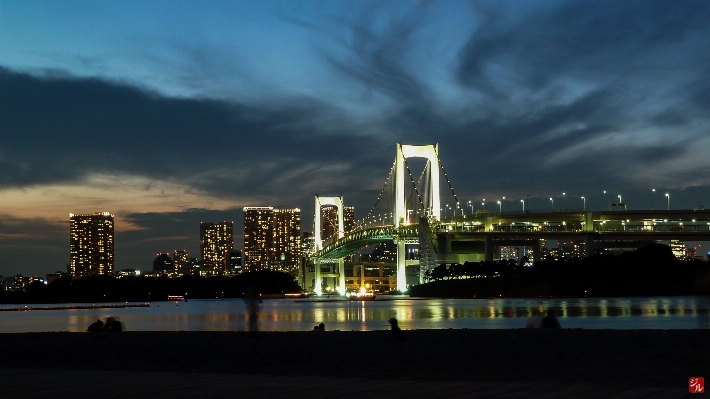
{"points": [[447, 178], [382, 191]]}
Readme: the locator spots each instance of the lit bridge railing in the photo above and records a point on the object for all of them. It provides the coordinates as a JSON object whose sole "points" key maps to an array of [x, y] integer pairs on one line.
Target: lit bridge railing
{"points": [[361, 238]]}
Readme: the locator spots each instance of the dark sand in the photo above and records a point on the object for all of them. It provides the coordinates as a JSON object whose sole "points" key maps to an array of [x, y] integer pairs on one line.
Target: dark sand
{"points": [[633, 357]]}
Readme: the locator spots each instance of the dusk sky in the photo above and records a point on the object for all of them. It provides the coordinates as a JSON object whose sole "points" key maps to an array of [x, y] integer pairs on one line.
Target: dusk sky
{"points": [[168, 113]]}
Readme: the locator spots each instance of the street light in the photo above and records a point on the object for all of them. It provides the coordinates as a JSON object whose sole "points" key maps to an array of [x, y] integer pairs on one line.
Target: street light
{"points": [[523, 201], [603, 199], [500, 207], [584, 204], [471, 205], [447, 207], [668, 201], [484, 204], [553, 204]]}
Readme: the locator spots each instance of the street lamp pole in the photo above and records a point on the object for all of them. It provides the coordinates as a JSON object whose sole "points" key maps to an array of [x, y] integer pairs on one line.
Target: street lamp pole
{"points": [[523, 201], [484, 204], [470, 205], [619, 201], [500, 207], [603, 199], [553, 204], [584, 204], [668, 201]]}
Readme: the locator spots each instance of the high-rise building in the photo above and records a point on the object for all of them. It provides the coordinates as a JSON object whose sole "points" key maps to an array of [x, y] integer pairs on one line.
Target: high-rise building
{"points": [[678, 249], [272, 239], [181, 262], [329, 221], [216, 241], [258, 238], [163, 263], [287, 241], [509, 252], [235, 262], [91, 244]]}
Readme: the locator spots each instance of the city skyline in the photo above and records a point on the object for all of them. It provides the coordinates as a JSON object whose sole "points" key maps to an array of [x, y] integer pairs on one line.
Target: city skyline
{"points": [[169, 117]]}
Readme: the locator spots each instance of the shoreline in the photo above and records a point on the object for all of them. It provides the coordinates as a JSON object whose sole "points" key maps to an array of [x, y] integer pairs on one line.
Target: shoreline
{"points": [[636, 357]]}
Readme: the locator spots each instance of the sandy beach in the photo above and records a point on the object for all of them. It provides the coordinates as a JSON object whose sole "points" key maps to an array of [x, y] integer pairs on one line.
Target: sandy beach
{"points": [[634, 357]]}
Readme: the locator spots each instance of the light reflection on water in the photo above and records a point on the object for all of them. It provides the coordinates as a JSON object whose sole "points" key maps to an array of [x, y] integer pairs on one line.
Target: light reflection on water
{"points": [[288, 315]]}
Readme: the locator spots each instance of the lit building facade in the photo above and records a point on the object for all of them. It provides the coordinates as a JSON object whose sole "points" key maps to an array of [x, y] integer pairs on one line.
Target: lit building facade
{"points": [[91, 244], [508, 252], [216, 242], [272, 239], [235, 262], [287, 241], [678, 249], [329, 221], [258, 238], [181, 262]]}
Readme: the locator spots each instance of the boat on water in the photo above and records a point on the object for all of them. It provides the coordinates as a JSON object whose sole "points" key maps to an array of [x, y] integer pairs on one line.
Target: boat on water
{"points": [[176, 298], [362, 296]]}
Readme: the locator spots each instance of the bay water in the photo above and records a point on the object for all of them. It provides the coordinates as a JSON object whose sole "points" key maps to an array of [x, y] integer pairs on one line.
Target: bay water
{"points": [[687, 312]]}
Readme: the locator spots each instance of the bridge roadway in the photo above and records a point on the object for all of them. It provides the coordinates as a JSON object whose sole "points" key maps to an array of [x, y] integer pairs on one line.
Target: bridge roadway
{"points": [[486, 231]]}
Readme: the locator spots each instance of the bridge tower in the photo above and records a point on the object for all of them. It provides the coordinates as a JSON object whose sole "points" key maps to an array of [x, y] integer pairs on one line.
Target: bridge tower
{"points": [[338, 203], [404, 151]]}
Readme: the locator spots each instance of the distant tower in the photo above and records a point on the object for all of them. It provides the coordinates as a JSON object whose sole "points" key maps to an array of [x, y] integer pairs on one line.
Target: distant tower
{"points": [[287, 241], [329, 221], [163, 263], [181, 262], [235, 262], [91, 244], [216, 241], [258, 238], [678, 249]]}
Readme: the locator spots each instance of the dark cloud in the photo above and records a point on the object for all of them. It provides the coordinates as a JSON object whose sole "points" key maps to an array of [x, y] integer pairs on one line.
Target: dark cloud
{"points": [[63, 129], [582, 38]]}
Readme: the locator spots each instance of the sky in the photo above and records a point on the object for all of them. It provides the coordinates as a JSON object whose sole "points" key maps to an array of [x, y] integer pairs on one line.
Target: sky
{"points": [[168, 113]]}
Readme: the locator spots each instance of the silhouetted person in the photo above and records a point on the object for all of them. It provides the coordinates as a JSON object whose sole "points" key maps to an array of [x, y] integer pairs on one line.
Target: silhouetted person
{"points": [[396, 331], [550, 321], [97, 326], [113, 325]]}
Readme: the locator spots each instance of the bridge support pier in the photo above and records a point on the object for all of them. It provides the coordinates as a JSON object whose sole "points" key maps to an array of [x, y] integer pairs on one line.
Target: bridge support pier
{"points": [[341, 277], [401, 266], [319, 282], [489, 248]]}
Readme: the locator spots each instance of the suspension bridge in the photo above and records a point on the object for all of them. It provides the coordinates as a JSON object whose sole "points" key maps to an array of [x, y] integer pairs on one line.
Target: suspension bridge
{"points": [[410, 212]]}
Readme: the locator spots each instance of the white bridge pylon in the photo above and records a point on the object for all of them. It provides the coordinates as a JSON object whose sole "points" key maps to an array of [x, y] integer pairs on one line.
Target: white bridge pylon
{"points": [[430, 152], [404, 151], [338, 203]]}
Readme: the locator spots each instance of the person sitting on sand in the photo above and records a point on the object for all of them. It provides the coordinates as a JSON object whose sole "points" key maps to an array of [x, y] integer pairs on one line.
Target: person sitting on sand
{"points": [[113, 325], [96, 326], [550, 321], [396, 331]]}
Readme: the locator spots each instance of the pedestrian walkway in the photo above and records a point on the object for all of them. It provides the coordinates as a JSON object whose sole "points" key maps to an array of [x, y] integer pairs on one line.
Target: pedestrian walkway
{"points": [[78, 384]]}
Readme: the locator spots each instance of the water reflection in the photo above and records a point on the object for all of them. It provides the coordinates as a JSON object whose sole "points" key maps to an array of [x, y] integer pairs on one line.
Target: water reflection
{"points": [[287, 315]]}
